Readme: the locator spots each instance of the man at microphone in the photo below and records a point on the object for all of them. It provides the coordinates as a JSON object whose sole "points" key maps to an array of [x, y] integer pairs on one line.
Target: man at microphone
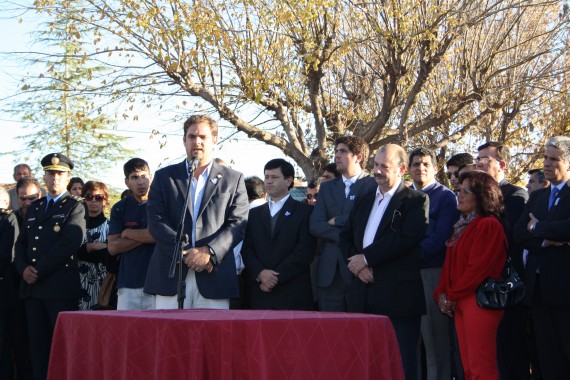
{"points": [[214, 223]]}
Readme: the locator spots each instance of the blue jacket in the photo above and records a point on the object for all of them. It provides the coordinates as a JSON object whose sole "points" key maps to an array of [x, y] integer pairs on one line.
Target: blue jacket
{"points": [[442, 216]]}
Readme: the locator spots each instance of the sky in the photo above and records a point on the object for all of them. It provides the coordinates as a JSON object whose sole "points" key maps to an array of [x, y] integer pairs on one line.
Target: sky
{"points": [[243, 154]]}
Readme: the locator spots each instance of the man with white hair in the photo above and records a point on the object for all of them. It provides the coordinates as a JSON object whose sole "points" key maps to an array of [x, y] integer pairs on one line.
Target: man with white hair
{"points": [[544, 230]]}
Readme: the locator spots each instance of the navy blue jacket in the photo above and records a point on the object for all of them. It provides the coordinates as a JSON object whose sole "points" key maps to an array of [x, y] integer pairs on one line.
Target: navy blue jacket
{"points": [[442, 216]]}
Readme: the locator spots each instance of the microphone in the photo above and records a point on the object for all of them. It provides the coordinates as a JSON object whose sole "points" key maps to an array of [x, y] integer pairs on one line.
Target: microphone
{"points": [[192, 165]]}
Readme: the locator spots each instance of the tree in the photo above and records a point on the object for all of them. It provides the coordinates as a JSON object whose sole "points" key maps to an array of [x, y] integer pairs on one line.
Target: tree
{"points": [[298, 74], [59, 116]]}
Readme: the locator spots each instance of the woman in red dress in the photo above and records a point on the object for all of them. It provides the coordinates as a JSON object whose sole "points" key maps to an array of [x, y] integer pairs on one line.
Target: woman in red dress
{"points": [[476, 250]]}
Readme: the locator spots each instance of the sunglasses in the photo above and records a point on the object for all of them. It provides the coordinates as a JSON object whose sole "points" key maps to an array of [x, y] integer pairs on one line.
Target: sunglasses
{"points": [[97, 197], [311, 196], [452, 174]]}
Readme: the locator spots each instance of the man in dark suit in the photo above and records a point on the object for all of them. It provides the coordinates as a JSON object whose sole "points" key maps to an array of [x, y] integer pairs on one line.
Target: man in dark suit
{"points": [[381, 241], [544, 230], [9, 303], [513, 356], [215, 223], [52, 233], [336, 198], [278, 247]]}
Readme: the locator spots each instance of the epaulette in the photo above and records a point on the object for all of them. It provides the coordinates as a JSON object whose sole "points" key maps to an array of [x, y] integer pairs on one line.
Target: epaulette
{"points": [[72, 198], [39, 200], [77, 198], [5, 211]]}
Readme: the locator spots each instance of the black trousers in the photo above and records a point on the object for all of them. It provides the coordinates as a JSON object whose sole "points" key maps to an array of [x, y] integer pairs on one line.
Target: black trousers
{"points": [[552, 333], [513, 353], [42, 315]]}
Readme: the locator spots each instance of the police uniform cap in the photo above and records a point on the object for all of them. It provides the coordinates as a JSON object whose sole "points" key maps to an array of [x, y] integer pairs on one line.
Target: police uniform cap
{"points": [[57, 162]]}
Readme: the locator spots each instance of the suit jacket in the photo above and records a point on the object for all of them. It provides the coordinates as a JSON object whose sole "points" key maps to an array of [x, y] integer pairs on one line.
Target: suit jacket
{"points": [[49, 241], [9, 280], [514, 198], [553, 262], [288, 250], [220, 224], [332, 202], [394, 255]]}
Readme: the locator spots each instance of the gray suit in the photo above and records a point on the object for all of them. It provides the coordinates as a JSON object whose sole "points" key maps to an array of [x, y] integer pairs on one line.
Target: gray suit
{"points": [[333, 276], [220, 224]]}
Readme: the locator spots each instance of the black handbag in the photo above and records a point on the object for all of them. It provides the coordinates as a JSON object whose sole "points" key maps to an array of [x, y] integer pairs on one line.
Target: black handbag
{"points": [[501, 294]]}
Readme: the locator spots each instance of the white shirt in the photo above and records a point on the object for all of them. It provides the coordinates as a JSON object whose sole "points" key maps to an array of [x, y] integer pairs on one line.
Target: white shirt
{"points": [[197, 187], [237, 250], [352, 180], [276, 206], [380, 203]]}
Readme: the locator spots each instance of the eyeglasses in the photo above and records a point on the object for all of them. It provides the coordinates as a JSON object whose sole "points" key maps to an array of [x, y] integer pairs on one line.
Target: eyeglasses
{"points": [[452, 174], [97, 197], [30, 198], [311, 196]]}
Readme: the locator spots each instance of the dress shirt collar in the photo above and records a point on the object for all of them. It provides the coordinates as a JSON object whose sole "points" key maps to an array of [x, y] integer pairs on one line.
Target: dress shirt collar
{"points": [[276, 206], [559, 186], [352, 179], [56, 198], [390, 192], [206, 171]]}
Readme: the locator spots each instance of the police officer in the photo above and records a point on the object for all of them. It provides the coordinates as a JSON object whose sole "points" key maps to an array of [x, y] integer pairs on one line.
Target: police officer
{"points": [[51, 234]]}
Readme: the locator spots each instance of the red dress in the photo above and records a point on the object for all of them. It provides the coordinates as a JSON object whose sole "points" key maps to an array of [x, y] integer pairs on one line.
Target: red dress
{"points": [[479, 253]]}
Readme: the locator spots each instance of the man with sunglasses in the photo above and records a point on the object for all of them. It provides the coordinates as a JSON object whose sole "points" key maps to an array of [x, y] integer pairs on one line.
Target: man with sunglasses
{"points": [[28, 190], [313, 191], [52, 232], [454, 164]]}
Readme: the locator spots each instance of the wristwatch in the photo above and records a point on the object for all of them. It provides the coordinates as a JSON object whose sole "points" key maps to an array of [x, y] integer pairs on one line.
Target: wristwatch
{"points": [[213, 257]]}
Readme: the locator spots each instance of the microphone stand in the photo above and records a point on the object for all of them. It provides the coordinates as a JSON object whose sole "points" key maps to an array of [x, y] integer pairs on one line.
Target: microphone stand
{"points": [[181, 240]]}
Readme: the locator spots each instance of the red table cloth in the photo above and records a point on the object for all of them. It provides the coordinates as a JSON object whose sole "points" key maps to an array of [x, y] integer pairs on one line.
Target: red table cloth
{"points": [[223, 344]]}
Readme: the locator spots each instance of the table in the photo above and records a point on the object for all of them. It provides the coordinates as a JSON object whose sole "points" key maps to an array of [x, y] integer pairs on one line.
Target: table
{"points": [[223, 344]]}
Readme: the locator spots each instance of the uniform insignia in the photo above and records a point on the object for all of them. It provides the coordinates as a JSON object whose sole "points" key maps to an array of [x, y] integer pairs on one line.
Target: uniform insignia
{"points": [[55, 160], [57, 228], [5, 211]]}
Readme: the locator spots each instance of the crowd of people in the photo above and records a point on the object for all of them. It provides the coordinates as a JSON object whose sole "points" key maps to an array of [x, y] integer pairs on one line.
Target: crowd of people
{"points": [[414, 251]]}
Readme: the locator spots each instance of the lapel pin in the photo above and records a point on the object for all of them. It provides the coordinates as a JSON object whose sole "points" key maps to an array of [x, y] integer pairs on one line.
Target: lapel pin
{"points": [[352, 197], [287, 213], [215, 180]]}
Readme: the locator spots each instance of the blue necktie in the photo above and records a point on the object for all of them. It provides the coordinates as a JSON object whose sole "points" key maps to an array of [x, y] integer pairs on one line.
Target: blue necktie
{"points": [[553, 194]]}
